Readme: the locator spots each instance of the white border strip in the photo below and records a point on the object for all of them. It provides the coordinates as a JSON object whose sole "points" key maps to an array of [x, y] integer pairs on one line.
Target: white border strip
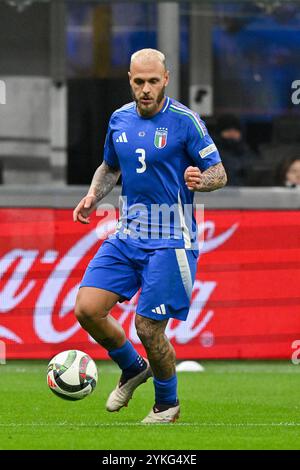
{"points": [[117, 424], [185, 272]]}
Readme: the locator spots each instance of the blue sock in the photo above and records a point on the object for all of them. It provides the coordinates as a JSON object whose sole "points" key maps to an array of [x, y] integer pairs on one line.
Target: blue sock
{"points": [[166, 390], [128, 359]]}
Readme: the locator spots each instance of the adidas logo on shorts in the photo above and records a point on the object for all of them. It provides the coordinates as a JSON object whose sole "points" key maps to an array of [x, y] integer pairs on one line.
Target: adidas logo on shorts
{"points": [[161, 310]]}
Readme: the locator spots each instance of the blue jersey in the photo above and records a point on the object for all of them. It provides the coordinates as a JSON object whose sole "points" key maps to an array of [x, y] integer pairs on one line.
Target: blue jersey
{"points": [[153, 154]]}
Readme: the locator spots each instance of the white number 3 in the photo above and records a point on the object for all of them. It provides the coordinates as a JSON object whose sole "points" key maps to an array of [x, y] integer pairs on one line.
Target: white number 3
{"points": [[142, 157]]}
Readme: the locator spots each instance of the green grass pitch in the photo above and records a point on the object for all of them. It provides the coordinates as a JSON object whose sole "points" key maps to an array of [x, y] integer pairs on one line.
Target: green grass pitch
{"points": [[231, 405]]}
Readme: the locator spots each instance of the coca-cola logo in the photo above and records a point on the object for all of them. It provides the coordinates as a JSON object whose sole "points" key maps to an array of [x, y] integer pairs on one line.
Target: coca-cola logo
{"points": [[49, 305]]}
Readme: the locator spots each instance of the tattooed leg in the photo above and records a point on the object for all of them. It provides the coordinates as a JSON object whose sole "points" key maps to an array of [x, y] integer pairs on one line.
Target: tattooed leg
{"points": [[159, 350]]}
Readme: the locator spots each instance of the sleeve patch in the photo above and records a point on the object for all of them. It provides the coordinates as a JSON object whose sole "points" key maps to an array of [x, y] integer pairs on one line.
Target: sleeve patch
{"points": [[207, 150]]}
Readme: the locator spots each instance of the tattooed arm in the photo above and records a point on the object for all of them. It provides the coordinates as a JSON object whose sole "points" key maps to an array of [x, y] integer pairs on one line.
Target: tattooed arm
{"points": [[104, 179], [211, 179]]}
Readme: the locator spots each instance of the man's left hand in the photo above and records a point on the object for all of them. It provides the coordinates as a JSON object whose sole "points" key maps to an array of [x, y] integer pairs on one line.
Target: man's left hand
{"points": [[193, 178]]}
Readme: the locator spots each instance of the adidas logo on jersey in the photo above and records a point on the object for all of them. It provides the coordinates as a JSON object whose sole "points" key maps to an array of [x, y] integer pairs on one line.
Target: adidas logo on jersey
{"points": [[122, 138], [161, 310]]}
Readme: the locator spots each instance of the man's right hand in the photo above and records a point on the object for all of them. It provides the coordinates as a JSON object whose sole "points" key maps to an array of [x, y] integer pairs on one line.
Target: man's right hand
{"points": [[84, 209]]}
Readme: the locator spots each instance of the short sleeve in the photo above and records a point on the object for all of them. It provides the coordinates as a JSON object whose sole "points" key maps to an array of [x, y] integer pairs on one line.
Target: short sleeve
{"points": [[200, 146], [110, 156]]}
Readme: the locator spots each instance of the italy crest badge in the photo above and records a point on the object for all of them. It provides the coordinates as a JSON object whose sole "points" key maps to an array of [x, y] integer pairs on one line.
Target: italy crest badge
{"points": [[160, 139]]}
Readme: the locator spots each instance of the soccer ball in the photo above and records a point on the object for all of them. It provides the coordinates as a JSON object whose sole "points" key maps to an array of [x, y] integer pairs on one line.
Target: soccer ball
{"points": [[72, 375]]}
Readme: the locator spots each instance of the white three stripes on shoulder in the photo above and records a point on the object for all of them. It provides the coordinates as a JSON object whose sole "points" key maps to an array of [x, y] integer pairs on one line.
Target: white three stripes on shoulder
{"points": [[192, 114], [126, 107]]}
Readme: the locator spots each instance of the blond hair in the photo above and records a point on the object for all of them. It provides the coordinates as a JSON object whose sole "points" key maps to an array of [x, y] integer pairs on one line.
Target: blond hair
{"points": [[148, 54]]}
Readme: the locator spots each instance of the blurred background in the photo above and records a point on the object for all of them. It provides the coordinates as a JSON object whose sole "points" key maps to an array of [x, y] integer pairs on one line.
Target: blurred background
{"points": [[65, 66], [63, 71]]}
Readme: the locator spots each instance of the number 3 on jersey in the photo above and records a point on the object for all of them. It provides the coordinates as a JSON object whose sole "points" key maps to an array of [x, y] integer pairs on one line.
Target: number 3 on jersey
{"points": [[142, 158]]}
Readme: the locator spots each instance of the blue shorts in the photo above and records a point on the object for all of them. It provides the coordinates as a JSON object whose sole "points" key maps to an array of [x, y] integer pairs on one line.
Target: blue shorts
{"points": [[165, 276]]}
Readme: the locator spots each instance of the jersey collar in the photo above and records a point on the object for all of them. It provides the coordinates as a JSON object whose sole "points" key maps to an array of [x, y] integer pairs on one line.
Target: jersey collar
{"points": [[166, 105]]}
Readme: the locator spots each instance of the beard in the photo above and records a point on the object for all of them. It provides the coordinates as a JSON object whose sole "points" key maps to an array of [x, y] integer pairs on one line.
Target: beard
{"points": [[148, 111]]}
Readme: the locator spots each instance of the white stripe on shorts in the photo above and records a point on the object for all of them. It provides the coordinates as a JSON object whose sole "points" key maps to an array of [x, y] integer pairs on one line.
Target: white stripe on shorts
{"points": [[184, 269]]}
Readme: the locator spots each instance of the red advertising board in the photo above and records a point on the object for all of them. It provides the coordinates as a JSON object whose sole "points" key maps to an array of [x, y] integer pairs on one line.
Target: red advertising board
{"points": [[245, 303]]}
